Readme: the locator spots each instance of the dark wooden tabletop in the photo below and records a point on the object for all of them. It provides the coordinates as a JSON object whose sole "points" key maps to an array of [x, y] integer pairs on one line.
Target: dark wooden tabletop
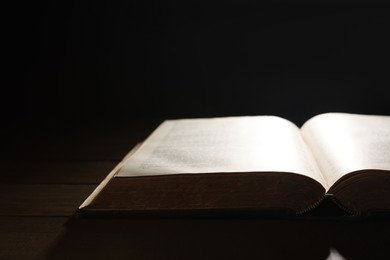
{"points": [[47, 170]]}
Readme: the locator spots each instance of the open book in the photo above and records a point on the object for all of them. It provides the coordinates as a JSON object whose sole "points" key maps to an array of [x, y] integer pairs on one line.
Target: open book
{"points": [[254, 162]]}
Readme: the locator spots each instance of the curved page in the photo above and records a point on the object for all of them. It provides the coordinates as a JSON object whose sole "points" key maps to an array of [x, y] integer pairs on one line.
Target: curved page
{"points": [[344, 143], [231, 144]]}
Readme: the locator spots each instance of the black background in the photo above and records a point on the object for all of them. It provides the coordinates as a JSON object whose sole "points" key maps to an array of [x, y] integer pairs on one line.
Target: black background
{"points": [[121, 60]]}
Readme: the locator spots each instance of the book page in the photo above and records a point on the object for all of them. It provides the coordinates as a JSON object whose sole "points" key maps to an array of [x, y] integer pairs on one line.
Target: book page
{"points": [[343, 143], [230, 144]]}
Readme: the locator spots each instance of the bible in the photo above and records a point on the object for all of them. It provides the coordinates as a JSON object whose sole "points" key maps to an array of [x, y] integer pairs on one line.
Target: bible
{"points": [[254, 163]]}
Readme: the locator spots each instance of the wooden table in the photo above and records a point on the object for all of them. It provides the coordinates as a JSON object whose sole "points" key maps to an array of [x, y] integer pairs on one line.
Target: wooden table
{"points": [[48, 169]]}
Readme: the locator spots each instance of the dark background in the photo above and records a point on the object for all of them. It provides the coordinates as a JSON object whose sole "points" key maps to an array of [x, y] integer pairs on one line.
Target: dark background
{"points": [[121, 60]]}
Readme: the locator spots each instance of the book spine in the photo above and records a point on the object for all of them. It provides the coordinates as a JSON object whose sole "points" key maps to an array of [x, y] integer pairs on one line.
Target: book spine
{"points": [[349, 211], [304, 211]]}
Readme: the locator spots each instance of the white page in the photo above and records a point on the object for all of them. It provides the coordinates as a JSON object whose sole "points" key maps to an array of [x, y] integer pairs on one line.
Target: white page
{"points": [[232, 144], [344, 143]]}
